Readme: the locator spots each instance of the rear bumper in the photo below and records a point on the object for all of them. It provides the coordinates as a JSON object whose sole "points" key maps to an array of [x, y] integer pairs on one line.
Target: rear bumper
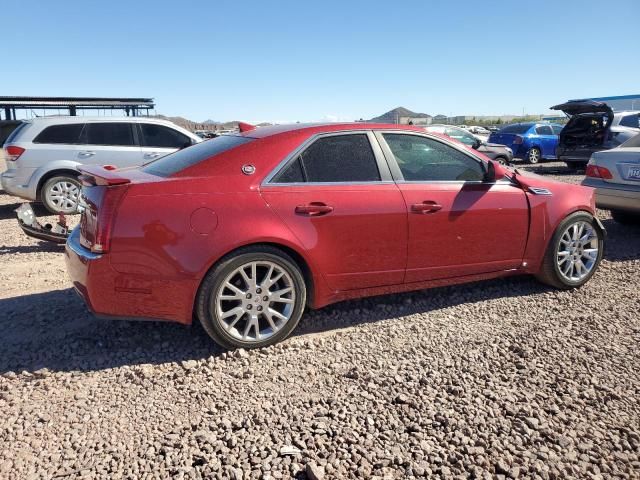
{"points": [[109, 293], [15, 184], [614, 197]]}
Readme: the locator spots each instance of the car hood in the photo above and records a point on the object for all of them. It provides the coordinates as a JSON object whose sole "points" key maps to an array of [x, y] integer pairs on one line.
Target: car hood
{"points": [[576, 107]]}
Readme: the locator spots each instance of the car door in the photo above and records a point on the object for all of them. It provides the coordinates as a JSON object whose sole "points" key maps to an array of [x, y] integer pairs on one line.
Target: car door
{"points": [[160, 140], [109, 143], [337, 196], [458, 223], [547, 140]]}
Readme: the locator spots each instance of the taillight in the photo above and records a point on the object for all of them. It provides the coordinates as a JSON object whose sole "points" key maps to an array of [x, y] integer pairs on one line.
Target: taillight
{"points": [[598, 172], [12, 153], [97, 225], [517, 140]]}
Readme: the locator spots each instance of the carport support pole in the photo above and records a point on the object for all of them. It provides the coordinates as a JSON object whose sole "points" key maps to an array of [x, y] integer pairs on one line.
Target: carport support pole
{"points": [[72, 111], [7, 113]]}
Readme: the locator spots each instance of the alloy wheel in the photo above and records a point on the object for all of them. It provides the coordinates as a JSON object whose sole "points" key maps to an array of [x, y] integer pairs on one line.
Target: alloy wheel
{"points": [[63, 196], [255, 301], [534, 155], [578, 250]]}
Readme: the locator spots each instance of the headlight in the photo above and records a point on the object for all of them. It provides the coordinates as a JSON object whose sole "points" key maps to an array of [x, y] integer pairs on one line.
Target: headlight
{"points": [[508, 150]]}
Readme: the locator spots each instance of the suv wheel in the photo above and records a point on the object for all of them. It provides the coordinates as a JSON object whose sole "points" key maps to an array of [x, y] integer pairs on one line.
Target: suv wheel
{"points": [[60, 194], [534, 156], [253, 298], [574, 253]]}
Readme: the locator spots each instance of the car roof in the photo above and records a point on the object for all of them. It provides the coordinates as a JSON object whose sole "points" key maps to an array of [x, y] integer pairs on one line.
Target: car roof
{"points": [[59, 119], [314, 128]]}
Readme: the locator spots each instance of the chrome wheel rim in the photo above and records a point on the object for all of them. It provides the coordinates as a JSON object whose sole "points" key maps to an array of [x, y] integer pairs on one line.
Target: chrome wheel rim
{"points": [[255, 301], [534, 155], [63, 196], [577, 251]]}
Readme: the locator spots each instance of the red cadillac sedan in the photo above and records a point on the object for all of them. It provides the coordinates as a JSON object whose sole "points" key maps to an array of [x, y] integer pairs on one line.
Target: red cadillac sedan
{"points": [[244, 231]]}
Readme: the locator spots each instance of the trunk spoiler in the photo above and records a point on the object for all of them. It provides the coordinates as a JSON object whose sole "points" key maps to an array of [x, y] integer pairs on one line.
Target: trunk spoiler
{"points": [[107, 175]]}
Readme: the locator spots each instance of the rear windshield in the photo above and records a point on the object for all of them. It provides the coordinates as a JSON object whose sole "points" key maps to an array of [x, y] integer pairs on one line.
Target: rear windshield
{"points": [[517, 128], [175, 162], [12, 136], [633, 142]]}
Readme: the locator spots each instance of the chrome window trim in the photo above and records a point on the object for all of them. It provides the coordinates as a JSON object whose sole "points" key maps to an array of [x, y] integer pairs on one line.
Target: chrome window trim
{"points": [[383, 169]]}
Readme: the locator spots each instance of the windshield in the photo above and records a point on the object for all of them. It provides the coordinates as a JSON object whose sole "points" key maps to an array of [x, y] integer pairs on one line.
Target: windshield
{"points": [[187, 157], [517, 128]]}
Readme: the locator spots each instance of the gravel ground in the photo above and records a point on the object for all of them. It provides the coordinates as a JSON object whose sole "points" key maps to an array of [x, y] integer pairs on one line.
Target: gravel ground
{"points": [[500, 379]]}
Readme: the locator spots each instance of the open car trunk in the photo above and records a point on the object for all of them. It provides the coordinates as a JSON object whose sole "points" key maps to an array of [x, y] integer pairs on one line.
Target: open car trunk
{"points": [[587, 131]]}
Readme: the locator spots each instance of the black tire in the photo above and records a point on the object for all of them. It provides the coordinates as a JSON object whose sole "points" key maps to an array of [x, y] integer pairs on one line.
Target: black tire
{"points": [[625, 218], [550, 271], [206, 300], [534, 155], [575, 166], [50, 183], [502, 160]]}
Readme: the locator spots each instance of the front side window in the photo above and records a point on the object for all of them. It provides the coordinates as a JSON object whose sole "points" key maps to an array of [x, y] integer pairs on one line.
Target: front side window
{"points": [[67, 134], [632, 121], [110, 133], [339, 158], [423, 159], [160, 136], [544, 130]]}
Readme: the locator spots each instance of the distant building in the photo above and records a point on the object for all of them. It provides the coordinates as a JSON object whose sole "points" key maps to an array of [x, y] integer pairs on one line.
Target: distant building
{"points": [[620, 103], [414, 120]]}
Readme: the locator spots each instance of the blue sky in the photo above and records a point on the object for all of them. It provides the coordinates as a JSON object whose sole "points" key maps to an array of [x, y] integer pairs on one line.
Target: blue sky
{"points": [[307, 61]]}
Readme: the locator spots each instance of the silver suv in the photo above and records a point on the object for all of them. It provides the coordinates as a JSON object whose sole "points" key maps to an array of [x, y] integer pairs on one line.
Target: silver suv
{"points": [[43, 154]]}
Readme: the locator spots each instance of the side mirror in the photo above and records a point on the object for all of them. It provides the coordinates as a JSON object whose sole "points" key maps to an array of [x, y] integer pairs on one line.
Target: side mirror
{"points": [[495, 171]]}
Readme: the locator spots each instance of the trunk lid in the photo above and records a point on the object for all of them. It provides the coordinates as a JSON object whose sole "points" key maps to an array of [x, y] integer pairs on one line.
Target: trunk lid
{"points": [[577, 107], [623, 164]]}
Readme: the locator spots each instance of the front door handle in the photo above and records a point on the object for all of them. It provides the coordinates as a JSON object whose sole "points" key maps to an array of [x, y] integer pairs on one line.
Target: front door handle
{"points": [[314, 209], [428, 206], [86, 154], [152, 155]]}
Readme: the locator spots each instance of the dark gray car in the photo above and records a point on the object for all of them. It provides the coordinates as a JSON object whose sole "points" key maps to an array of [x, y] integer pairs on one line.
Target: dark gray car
{"points": [[494, 151]]}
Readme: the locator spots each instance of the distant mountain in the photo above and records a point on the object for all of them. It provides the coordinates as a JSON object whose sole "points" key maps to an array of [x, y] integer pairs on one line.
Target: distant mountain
{"points": [[210, 122], [392, 116]]}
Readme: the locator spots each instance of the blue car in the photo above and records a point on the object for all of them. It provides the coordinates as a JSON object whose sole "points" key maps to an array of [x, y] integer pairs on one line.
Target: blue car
{"points": [[529, 141]]}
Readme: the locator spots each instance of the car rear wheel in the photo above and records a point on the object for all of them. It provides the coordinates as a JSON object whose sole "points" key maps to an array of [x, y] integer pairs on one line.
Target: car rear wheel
{"points": [[502, 160], [574, 253], [534, 156], [625, 218], [252, 299], [60, 194]]}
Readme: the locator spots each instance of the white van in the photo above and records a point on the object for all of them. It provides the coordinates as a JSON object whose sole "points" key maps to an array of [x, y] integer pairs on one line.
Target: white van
{"points": [[43, 154]]}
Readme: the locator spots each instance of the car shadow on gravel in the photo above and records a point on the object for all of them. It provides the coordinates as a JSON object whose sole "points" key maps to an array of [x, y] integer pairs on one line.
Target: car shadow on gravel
{"points": [[8, 210], [48, 247], [53, 330], [549, 169], [622, 242]]}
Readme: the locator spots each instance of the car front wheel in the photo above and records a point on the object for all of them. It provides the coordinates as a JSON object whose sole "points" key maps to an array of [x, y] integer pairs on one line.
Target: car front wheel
{"points": [[252, 299], [574, 253], [60, 194]]}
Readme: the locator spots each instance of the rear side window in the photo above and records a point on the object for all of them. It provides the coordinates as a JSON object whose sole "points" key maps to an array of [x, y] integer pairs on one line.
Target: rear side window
{"points": [[517, 128], [556, 129], [632, 121], [68, 134], [111, 133], [544, 130], [187, 157], [339, 158], [163, 137]]}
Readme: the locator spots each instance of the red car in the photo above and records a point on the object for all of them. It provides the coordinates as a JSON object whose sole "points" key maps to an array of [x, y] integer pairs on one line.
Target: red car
{"points": [[244, 231]]}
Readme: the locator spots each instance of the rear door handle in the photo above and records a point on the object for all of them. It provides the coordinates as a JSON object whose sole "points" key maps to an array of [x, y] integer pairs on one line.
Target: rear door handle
{"points": [[428, 206], [86, 154], [152, 155], [314, 209]]}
